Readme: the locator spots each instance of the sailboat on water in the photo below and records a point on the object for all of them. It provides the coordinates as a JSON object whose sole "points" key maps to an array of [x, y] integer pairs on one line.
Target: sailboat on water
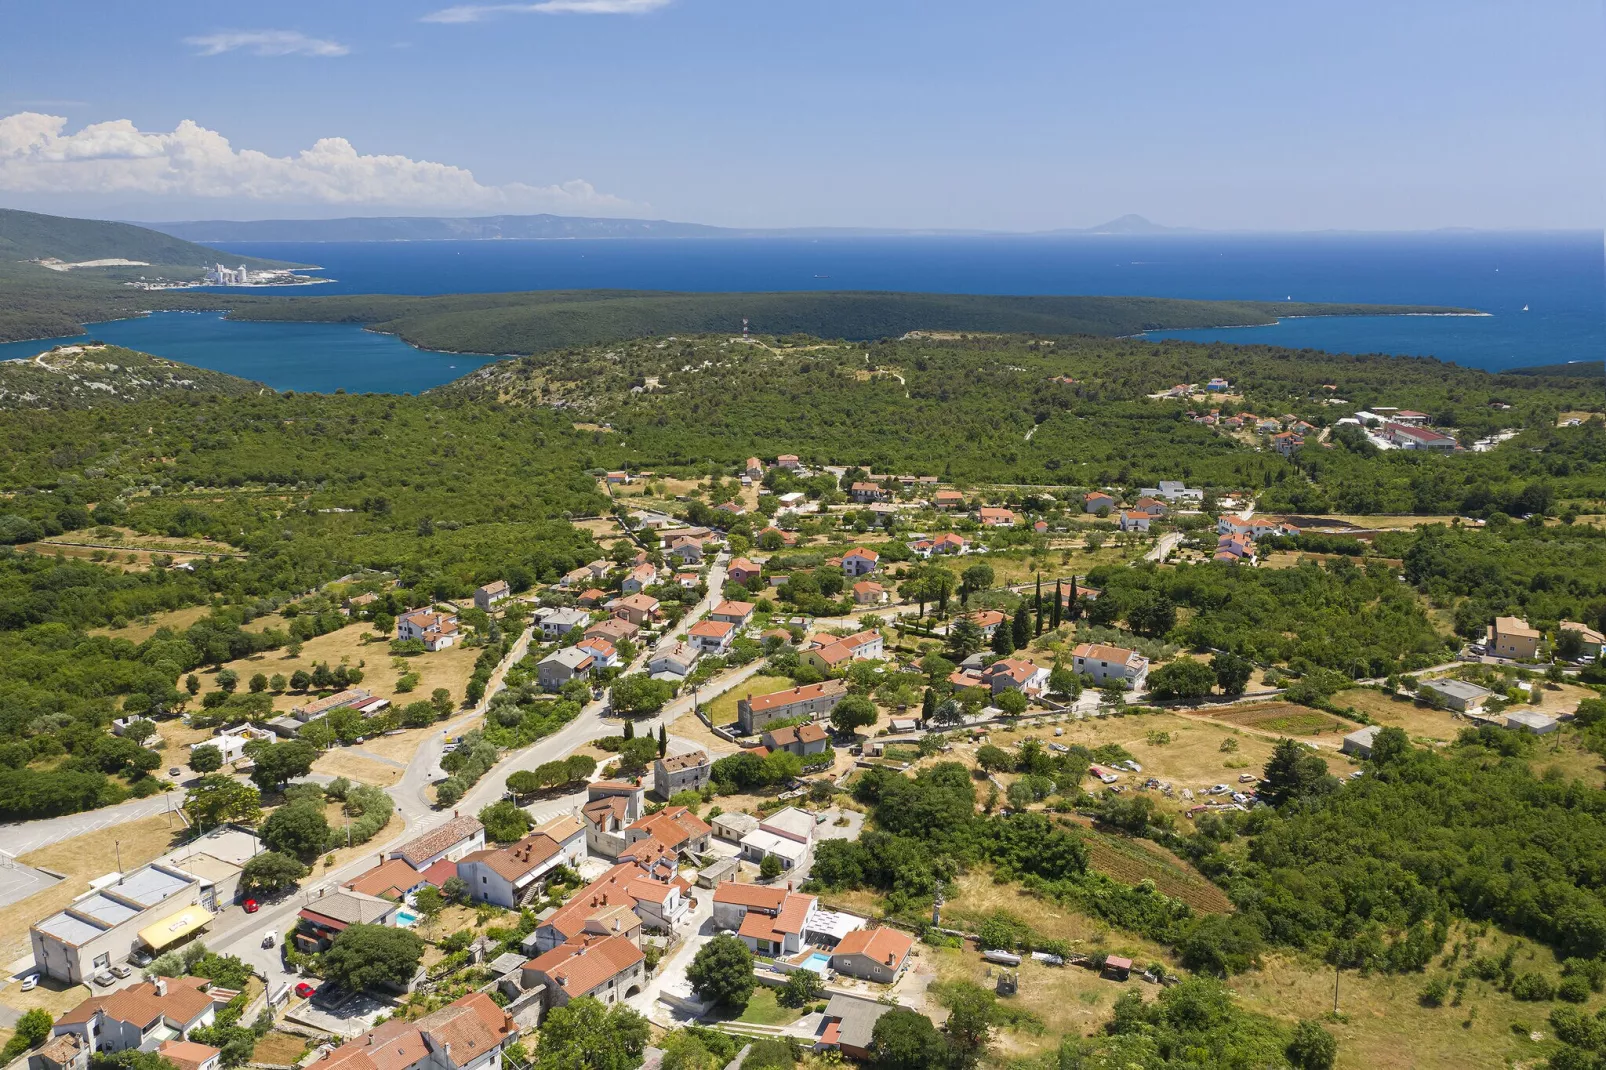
{"points": [[1525, 308]]}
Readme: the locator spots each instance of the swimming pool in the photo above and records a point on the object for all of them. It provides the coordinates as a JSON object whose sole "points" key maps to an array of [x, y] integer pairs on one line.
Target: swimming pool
{"points": [[819, 962], [405, 918]]}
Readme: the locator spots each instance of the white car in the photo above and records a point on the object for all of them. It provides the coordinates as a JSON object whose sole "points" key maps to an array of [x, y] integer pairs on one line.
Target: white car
{"points": [[1220, 789], [1134, 766], [30, 982]]}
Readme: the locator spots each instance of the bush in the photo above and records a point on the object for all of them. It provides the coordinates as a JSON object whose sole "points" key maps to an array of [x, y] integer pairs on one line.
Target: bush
{"points": [[1433, 993], [771, 867], [1533, 987]]}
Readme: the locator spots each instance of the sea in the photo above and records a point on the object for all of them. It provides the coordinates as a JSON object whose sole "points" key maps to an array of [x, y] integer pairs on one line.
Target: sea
{"points": [[1543, 294]]}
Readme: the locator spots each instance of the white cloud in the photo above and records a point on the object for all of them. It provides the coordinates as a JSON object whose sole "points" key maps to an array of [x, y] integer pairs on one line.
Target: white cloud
{"points": [[266, 43], [37, 156], [477, 12]]}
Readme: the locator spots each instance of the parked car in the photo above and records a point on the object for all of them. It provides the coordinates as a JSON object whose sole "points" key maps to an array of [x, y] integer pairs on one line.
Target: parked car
{"points": [[304, 990], [122, 971], [1219, 789], [175, 771], [252, 906], [140, 957], [30, 982], [105, 978], [1246, 778], [1134, 766]]}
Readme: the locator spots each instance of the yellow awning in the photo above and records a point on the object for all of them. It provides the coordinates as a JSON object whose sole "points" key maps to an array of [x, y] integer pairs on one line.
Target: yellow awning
{"points": [[169, 931]]}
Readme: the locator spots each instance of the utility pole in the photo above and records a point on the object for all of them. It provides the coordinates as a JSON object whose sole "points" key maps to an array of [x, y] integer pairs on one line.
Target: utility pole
{"points": [[118, 844], [1337, 969]]}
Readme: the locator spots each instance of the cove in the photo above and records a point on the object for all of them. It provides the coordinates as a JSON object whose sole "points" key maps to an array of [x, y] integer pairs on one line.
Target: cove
{"points": [[309, 357]]}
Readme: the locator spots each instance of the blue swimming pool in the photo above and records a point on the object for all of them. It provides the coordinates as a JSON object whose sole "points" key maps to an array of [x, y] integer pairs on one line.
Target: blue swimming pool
{"points": [[405, 918], [819, 962]]}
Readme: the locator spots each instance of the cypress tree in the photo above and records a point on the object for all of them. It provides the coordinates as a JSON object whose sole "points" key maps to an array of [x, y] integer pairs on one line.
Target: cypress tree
{"points": [[1059, 599], [928, 703], [630, 729], [1038, 598], [1021, 627], [663, 740]]}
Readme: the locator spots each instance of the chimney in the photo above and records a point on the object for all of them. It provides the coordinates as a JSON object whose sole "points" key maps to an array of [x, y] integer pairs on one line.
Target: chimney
{"points": [[161, 986]]}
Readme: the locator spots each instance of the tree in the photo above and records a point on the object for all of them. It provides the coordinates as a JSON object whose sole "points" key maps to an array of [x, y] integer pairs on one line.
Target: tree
{"points": [[298, 829], [430, 902], [215, 799], [970, 1022], [440, 700], [206, 758], [1313, 1048], [906, 1040], [722, 972], [636, 753], [853, 712], [1152, 616], [947, 712], [1003, 640], [1183, 678], [965, 638], [259, 683], [1037, 605], [1012, 702], [977, 577], [192, 684], [366, 955], [1232, 672], [276, 765], [1293, 772], [524, 782], [269, 871], [771, 867], [139, 730], [1390, 745], [277, 682], [32, 1029], [504, 821], [227, 680], [1062, 680], [1021, 627], [1054, 610], [802, 987], [663, 740], [300, 680], [584, 1035], [639, 693], [995, 759]]}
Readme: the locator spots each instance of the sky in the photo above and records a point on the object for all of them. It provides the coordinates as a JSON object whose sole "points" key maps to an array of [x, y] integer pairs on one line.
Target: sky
{"points": [[1003, 115]]}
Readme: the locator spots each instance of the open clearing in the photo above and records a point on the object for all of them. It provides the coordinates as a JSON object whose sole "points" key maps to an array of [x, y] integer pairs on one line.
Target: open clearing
{"points": [[1284, 719], [1418, 721], [278, 1049], [723, 709], [340, 762], [1135, 861]]}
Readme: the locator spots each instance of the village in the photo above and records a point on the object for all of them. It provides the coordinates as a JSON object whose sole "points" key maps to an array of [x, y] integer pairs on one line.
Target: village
{"points": [[736, 665]]}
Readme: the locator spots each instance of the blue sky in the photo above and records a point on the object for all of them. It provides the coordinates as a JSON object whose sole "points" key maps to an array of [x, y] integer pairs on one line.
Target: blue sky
{"points": [[1011, 114]]}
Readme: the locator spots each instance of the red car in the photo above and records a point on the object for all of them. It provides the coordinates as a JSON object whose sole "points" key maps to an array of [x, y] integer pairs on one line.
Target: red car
{"points": [[304, 990], [252, 906]]}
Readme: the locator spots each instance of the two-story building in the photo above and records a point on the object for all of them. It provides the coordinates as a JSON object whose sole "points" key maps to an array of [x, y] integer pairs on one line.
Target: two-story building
{"points": [[462, 835], [815, 700], [1511, 637], [860, 561], [830, 654], [487, 597], [799, 739], [1105, 663], [606, 968], [469, 1033], [143, 1016], [711, 636], [687, 771], [436, 631]]}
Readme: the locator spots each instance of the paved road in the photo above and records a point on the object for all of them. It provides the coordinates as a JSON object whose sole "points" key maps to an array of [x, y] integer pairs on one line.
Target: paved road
{"points": [[20, 837], [1162, 549]]}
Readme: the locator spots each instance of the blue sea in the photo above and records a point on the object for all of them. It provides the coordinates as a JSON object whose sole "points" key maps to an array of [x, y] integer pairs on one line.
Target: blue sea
{"points": [[1559, 277]]}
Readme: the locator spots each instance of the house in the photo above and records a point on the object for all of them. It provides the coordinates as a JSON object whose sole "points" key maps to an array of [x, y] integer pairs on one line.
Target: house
{"points": [[741, 570], [507, 876], [143, 1015], [872, 954], [950, 543], [1287, 442], [1105, 663], [988, 620], [1511, 637], [815, 700], [490, 594], [799, 739], [437, 631], [731, 509], [575, 577], [829, 656], [1359, 742], [688, 550], [754, 469], [1458, 695], [614, 902], [638, 579], [1407, 437], [1233, 549], [688, 771], [770, 920], [788, 461], [850, 1025], [675, 827], [231, 742], [451, 841], [688, 580], [1173, 491], [733, 825], [756, 846], [949, 500], [556, 623], [712, 636], [611, 806], [731, 612], [787, 538], [591, 597], [998, 518], [1095, 500], [152, 907], [392, 878], [332, 912], [1268, 424], [469, 1033], [859, 561], [1530, 721], [1218, 385], [606, 968], [638, 609], [616, 478], [310, 711], [1412, 418], [188, 1055], [1131, 520], [1013, 674], [613, 629], [561, 666], [676, 659], [1040, 526], [869, 492], [1151, 506], [1592, 639], [869, 593], [606, 655]]}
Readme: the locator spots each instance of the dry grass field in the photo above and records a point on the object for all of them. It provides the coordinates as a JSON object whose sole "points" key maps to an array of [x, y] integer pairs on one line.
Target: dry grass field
{"points": [[1420, 722]]}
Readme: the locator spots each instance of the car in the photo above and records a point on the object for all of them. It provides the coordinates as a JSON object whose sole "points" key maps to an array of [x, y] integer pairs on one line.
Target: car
{"points": [[122, 971], [1220, 789], [175, 771], [1239, 797], [1357, 774], [105, 978], [304, 990], [269, 938], [1134, 766], [1246, 778], [140, 957], [30, 982], [252, 906]]}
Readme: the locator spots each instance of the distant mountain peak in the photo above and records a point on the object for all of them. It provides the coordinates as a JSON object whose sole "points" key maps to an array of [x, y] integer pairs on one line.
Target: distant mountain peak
{"points": [[1131, 224]]}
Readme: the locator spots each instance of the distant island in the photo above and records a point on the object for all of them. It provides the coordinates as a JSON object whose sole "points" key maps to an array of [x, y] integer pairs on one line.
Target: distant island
{"points": [[556, 228]]}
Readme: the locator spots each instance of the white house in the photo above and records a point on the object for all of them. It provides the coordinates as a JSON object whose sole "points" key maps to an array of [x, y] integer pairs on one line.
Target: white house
{"points": [[712, 636], [677, 658], [1105, 663], [860, 561], [556, 623], [436, 631]]}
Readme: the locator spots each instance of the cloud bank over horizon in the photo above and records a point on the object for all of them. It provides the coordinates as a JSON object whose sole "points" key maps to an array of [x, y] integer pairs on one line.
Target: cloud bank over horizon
{"points": [[192, 163], [265, 43]]}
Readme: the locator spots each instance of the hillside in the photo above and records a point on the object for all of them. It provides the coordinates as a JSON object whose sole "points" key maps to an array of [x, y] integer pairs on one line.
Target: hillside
{"points": [[518, 323], [94, 375], [30, 236]]}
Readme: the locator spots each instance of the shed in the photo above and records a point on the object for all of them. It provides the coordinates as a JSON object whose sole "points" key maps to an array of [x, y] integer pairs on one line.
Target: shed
{"points": [[1528, 721], [734, 825], [1359, 742], [1457, 694], [1117, 968]]}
